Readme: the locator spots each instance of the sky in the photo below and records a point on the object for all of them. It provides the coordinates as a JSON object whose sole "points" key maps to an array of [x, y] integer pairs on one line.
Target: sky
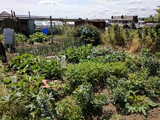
{"points": [[92, 9]]}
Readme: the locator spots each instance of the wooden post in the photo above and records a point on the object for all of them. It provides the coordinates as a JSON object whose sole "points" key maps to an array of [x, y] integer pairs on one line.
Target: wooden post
{"points": [[12, 14], [29, 14], [51, 29]]}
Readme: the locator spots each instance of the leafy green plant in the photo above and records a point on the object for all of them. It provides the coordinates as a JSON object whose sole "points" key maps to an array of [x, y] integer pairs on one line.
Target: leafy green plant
{"points": [[32, 65], [117, 69], [26, 100], [88, 34], [84, 96], [38, 37], [20, 38], [77, 54], [115, 35], [68, 109], [89, 101], [94, 73], [100, 99], [137, 103], [150, 62]]}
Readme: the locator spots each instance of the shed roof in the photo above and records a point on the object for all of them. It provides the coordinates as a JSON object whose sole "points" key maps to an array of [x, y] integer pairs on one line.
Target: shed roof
{"points": [[4, 14], [151, 24], [122, 17]]}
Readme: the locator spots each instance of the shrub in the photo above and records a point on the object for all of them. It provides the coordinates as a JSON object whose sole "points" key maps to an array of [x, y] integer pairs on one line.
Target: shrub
{"points": [[77, 54], [89, 101], [137, 103], [68, 109], [25, 100], [132, 94], [91, 72], [88, 34], [117, 69], [20, 38], [84, 96], [100, 99], [38, 37], [33, 65], [152, 87], [150, 62], [116, 35], [58, 30]]}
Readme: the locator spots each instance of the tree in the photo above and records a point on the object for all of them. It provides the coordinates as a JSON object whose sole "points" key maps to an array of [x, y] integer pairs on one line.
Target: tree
{"points": [[158, 14]]}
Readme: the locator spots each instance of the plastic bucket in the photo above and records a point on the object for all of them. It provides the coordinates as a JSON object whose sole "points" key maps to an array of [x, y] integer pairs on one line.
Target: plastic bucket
{"points": [[45, 31]]}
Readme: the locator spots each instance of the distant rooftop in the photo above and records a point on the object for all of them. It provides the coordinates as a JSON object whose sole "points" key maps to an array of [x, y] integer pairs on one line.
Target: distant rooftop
{"points": [[4, 14], [151, 25], [123, 17]]}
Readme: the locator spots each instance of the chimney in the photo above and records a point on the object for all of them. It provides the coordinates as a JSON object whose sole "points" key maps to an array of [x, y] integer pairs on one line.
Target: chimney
{"points": [[122, 17], [12, 14]]}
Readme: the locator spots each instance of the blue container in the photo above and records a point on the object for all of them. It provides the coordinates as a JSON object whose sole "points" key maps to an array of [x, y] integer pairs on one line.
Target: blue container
{"points": [[45, 31]]}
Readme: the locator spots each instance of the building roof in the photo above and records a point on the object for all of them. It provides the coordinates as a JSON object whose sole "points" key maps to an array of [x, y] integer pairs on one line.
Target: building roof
{"points": [[151, 24], [4, 15], [117, 18]]}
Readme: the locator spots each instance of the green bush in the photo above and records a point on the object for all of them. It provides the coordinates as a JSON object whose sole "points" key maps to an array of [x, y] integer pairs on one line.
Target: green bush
{"points": [[84, 96], [91, 72], [33, 65], [138, 103], [133, 95], [77, 54], [38, 37], [150, 62], [99, 100], [115, 35], [88, 34], [20, 38], [67, 109], [152, 87], [25, 100], [117, 69], [89, 101], [58, 30]]}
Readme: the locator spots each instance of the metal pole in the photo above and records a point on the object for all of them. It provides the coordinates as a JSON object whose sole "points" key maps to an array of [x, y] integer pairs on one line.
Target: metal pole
{"points": [[29, 14], [51, 29], [14, 14]]}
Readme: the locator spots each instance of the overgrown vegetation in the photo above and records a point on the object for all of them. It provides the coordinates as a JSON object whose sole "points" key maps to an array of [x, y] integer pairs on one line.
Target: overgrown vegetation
{"points": [[131, 81], [38, 37], [93, 77], [88, 34], [20, 38], [140, 38]]}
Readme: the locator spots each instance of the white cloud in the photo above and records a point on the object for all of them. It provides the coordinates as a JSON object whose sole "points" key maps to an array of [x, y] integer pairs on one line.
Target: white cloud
{"points": [[47, 2], [135, 1], [80, 8]]}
